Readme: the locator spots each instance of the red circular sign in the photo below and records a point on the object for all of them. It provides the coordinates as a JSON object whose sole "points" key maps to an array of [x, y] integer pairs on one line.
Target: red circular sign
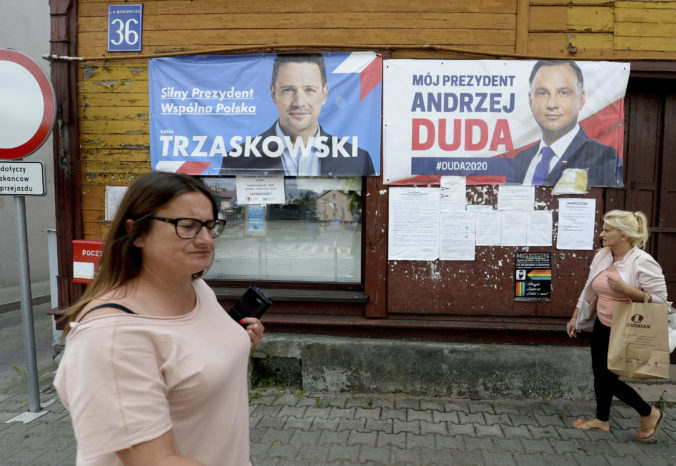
{"points": [[39, 131]]}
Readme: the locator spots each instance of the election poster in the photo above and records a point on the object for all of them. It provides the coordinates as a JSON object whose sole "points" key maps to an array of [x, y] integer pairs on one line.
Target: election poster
{"points": [[315, 114], [504, 122]]}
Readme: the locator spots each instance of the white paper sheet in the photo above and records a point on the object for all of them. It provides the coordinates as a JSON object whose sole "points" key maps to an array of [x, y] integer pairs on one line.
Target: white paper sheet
{"points": [[513, 228], [413, 224], [456, 236], [511, 197], [114, 195], [488, 227], [260, 190], [576, 224], [453, 193], [539, 231]]}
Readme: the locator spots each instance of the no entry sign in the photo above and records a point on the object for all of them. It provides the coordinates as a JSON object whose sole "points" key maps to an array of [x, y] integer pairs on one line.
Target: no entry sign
{"points": [[27, 105]]}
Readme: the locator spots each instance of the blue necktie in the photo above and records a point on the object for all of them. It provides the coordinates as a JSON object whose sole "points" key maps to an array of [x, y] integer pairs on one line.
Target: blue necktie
{"points": [[542, 168]]}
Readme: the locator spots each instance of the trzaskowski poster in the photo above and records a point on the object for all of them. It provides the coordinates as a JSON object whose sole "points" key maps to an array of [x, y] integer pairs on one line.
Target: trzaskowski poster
{"points": [[515, 122], [315, 114]]}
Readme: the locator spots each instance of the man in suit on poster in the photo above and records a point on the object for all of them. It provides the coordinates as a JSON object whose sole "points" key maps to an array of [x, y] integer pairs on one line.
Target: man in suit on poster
{"points": [[556, 97], [299, 90]]}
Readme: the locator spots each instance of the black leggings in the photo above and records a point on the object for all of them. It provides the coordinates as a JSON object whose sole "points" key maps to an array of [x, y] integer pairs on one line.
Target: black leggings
{"points": [[606, 383]]}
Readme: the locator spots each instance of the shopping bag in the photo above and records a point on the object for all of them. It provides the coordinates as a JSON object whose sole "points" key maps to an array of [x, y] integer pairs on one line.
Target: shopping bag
{"points": [[639, 342]]}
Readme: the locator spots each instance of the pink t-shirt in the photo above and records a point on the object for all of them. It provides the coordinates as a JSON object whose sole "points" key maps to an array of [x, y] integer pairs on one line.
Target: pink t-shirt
{"points": [[127, 379], [605, 306]]}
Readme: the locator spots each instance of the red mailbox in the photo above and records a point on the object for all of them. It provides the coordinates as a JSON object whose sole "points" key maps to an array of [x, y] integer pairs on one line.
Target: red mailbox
{"points": [[86, 257]]}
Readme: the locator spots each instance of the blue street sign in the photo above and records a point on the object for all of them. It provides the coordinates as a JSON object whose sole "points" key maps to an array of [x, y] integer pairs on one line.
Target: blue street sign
{"points": [[125, 24]]}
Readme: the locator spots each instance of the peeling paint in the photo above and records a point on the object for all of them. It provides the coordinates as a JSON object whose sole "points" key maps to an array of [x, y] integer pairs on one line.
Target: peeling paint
{"points": [[383, 191], [108, 83]]}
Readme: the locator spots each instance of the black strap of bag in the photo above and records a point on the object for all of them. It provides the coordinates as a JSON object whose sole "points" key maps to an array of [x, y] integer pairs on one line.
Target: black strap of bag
{"points": [[113, 305]]}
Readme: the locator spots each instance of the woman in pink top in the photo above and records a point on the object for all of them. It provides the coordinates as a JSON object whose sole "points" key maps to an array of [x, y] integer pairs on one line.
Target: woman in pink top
{"points": [[154, 370], [620, 272]]}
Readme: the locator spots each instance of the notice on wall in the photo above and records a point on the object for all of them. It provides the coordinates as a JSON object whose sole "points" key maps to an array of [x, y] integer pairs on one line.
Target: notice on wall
{"points": [[457, 236], [533, 276], [453, 197], [539, 232], [413, 224], [488, 223], [114, 195], [576, 224], [516, 197], [260, 190]]}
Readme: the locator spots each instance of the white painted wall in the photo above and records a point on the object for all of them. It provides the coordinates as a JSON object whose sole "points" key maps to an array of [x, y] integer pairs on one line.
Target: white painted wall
{"points": [[24, 26]]}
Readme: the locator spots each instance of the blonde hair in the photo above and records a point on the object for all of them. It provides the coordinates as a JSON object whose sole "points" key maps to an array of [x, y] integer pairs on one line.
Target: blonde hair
{"points": [[634, 225]]}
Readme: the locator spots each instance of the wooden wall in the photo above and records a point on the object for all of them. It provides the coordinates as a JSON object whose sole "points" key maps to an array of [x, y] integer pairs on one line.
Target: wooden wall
{"points": [[113, 94]]}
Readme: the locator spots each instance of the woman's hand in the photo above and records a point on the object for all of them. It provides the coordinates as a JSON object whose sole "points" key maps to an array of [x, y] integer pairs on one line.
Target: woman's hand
{"points": [[616, 284], [570, 329], [254, 328]]}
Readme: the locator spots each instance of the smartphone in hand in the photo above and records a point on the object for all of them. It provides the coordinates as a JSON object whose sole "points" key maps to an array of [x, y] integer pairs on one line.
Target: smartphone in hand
{"points": [[253, 303]]}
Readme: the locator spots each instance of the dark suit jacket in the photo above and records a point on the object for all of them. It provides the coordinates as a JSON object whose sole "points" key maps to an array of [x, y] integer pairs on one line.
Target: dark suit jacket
{"points": [[603, 164], [329, 166]]}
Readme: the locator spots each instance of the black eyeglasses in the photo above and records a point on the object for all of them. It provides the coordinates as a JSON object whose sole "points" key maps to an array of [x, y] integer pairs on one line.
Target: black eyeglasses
{"points": [[188, 228]]}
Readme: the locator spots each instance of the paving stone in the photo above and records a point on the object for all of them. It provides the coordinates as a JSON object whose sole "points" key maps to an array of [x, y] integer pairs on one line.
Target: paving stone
{"points": [[362, 438], [595, 447], [344, 453], [279, 450], [338, 438], [419, 441], [403, 456], [387, 413], [504, 458], [433, 405], [456, 406], [474, 418], [401, 426], [396, 440], [433, 428], [590, 460], [386, 426], [361, 402], [451, 442], [321, 413], [549, 420], [383, 403], [502, 418], [379, 456], [622, 460], [407, 403], [372, 413], [413, 415], [467, 458], [294, 423], [653, 461], [565, 446], [546, 432], [476, 443], [281, 437], [523, 420], [438, 416], [516, 432], [505, 445], [481, 407], [342, 413], [435, 457], [305, 438], [536, 446], [351, 424], [274, 422], [292, 411], [488, 431], [325, 424], [461, 429]]}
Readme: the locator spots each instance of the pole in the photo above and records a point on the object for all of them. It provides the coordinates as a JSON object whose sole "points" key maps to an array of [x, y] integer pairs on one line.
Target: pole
{"points": [[26, 304]]}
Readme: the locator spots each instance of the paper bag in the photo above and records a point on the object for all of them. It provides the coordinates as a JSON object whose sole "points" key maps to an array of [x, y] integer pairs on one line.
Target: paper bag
{"points": [[639, 343]]}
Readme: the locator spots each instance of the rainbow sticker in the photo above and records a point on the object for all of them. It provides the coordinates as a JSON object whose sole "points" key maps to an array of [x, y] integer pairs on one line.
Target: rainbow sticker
{"points": [[540, 274], [520, 288]]}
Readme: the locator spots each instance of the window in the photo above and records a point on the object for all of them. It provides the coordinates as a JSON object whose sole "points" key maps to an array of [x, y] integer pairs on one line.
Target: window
{"points": [[314, 237]]}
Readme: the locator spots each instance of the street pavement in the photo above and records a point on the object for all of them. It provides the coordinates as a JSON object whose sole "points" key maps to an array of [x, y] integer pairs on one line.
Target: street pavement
{"points": [[290, 427]]}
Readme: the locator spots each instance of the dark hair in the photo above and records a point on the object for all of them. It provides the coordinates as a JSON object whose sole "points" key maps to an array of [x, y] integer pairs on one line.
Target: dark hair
{"points": [[121, 261], [315, 58], [572, 64]]}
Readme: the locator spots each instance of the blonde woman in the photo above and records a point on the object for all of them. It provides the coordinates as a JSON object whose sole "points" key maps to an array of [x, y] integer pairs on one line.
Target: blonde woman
{"points": [[620, 272]]}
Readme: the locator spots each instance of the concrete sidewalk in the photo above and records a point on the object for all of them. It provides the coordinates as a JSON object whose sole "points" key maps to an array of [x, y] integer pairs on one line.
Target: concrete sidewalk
{"points": [[10, 297], [289, 427]]}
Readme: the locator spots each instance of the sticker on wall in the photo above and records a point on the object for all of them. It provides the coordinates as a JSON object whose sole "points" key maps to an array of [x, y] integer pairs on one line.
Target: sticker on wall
{"points": [[533, 276]]}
